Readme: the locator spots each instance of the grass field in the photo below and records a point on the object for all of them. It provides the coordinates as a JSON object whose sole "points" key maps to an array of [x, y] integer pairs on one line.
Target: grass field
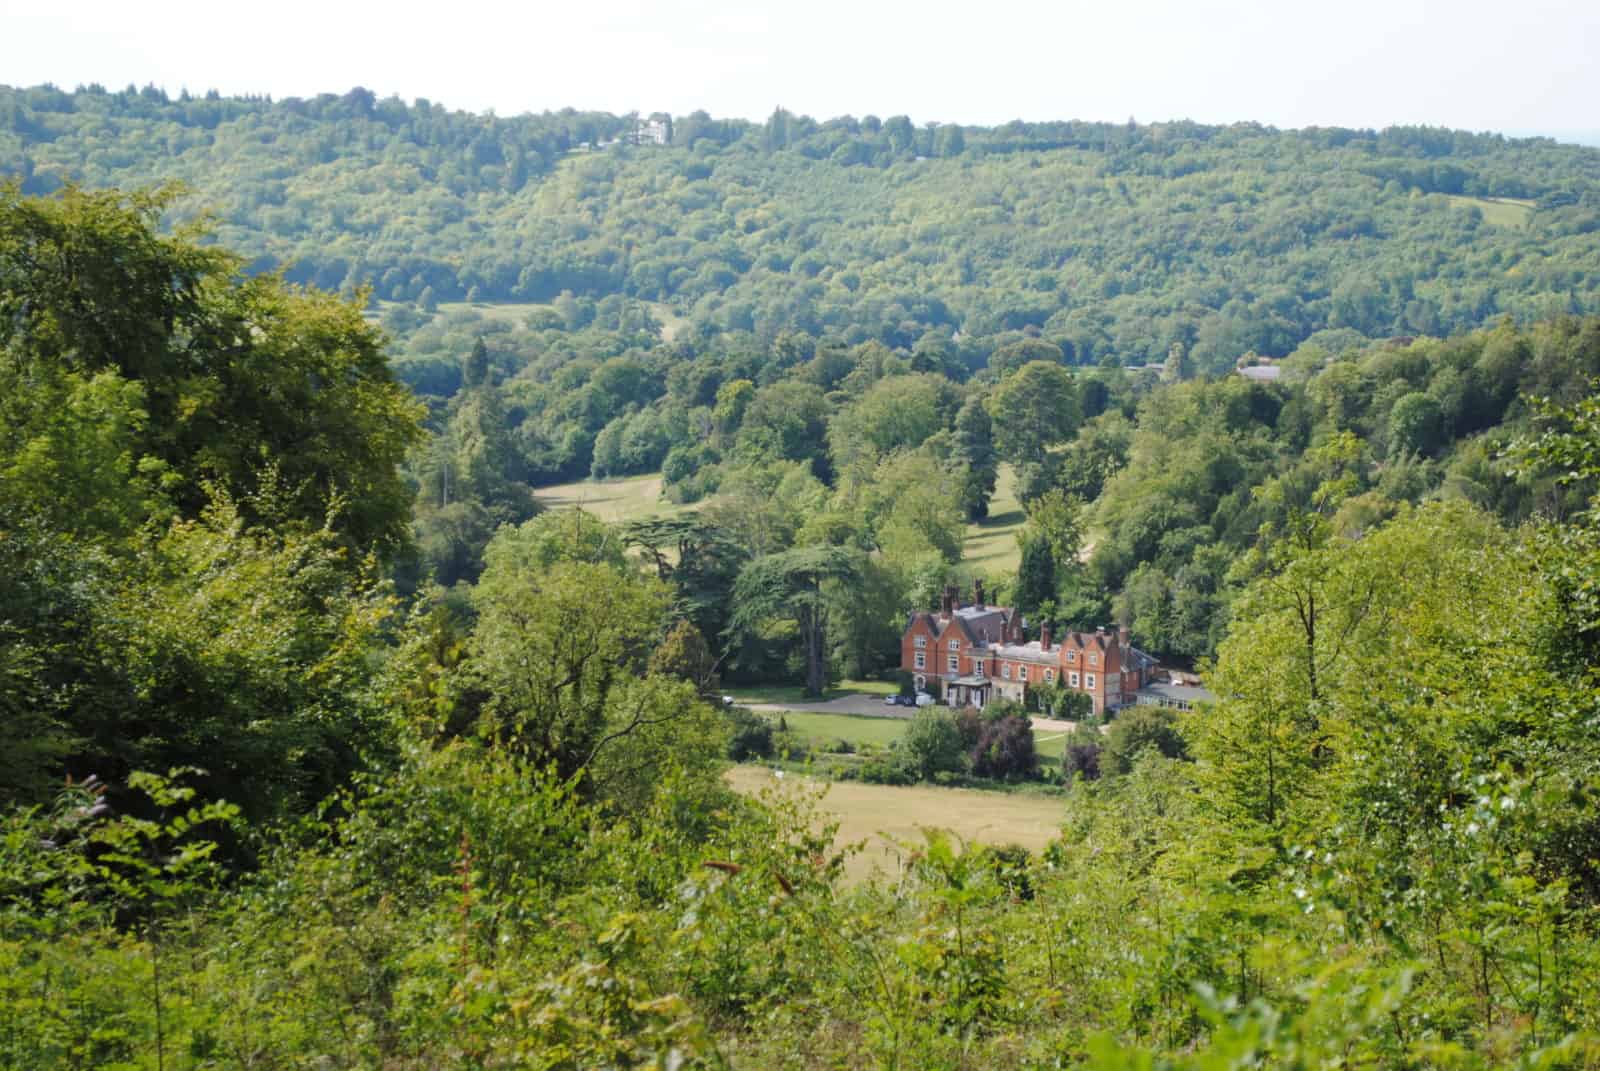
{"points": [[880, 815], [1500, 211], [794, 693], [628, 499], [992, 542], [822, 727]]}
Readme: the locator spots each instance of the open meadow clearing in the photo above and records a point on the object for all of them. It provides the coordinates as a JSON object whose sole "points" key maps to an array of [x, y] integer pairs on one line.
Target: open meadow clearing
{"points": [[991, 544], [1500, 211], [881, 815], [631, 498]]}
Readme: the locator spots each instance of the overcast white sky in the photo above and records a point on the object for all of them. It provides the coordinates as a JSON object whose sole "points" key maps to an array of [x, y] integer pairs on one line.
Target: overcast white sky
{"points": [[1526, 66]]}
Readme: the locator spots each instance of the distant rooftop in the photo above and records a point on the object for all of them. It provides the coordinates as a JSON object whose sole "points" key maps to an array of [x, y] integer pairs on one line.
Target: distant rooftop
{"points": [[1176, 693], [1265, 373]]}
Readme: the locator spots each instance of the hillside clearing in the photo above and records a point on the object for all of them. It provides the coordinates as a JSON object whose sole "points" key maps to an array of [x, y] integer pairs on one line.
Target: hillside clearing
{"points": [[882, 815], [631, 498], [991, 544], [1499, 211]]}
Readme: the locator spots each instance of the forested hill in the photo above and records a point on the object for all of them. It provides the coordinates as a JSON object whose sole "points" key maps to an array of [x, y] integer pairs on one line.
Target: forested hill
{"points": [[1112, 240]]}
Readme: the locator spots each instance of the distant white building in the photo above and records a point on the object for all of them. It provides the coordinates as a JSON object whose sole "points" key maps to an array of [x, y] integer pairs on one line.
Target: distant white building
{"points": [[656, 130]]}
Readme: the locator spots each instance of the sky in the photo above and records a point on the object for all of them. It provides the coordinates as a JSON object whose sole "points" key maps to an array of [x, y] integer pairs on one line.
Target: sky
{"points": [[1524, 67]]}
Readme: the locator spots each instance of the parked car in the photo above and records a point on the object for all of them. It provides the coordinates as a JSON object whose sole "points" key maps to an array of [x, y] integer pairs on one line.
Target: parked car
{"points": [[923, 699], [899, 701]]}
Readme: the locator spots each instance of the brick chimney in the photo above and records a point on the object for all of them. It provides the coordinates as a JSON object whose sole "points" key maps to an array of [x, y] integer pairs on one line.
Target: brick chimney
{"points": [[947, 600], [977, 594], [1044, 636]]}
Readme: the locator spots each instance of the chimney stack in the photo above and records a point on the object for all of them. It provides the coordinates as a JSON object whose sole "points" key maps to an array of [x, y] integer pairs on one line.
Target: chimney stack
{"points": [[977, 594], [1122, 636], [1044, 636], [946, 600]]}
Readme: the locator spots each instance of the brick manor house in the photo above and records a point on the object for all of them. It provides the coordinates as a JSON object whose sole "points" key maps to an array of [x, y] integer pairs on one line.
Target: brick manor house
{"points": [[967, 654]]}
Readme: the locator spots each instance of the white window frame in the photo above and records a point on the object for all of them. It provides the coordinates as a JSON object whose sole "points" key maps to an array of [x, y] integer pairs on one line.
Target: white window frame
{"points": [[1022, 673], [1072, 657], [920, 661], [955, 663], [955, 645], [922, 641], [1005, 670], [1072, 678], [1094, 659], [1049, 675], [1088, 681]]}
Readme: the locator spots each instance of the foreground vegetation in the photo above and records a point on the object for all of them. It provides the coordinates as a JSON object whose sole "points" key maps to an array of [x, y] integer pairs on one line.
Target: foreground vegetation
{"points": [[274, 798]]}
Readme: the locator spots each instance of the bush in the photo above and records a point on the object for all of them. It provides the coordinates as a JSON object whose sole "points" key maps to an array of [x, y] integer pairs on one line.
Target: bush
{"points": [[1005, 750], [885, 772], [1081, 756], [931, 743], [1140, 728], [749, 736]]}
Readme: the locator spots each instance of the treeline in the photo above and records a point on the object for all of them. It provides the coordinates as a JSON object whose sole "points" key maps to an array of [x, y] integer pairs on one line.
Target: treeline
{"points": [[257, 811], [1115, 241]]}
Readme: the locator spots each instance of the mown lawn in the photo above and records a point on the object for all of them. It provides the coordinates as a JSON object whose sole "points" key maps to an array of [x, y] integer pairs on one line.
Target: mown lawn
{"points": [[991, 544], [886, 816], [822, 728], [786, 694]]}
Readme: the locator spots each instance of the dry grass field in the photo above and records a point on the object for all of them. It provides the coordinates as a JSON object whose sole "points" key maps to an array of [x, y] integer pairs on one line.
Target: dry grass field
{"points": [[628, 499], [881, 815]]}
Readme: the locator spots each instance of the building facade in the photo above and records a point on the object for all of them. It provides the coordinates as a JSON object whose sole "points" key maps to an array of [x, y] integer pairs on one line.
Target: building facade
{"points": [[969, 653]]}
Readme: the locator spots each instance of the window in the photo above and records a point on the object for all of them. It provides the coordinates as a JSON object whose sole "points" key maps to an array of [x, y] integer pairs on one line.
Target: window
{"points": [[1022, 673], [1005, 670], [922, 641], [920, 662], [955, 645], [1094, 660], [1049, 675], [955, 664], [1088, 681], [1072, 657], [1072, 678]]}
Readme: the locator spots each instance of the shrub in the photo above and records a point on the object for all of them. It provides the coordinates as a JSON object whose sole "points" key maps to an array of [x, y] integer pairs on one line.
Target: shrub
{"points": [[931, 743], [1138, 729], [750, 735], [1081, 756], [1005, 750]]}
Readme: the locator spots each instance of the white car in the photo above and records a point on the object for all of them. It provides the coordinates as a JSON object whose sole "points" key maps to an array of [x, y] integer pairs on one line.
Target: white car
{"points": [[924, 699]]}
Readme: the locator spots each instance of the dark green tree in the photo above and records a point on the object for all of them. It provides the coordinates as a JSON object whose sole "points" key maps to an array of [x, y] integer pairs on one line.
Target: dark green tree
{"points": [[974, 455], [789, 587]]}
